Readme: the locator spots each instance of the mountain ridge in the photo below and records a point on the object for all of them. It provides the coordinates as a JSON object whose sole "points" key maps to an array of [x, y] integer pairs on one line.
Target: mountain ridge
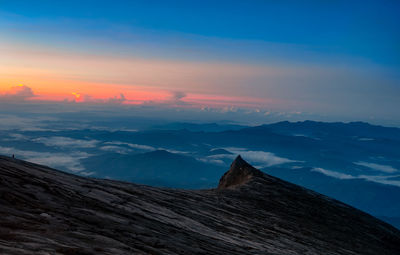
{"points": [[44, 210]]}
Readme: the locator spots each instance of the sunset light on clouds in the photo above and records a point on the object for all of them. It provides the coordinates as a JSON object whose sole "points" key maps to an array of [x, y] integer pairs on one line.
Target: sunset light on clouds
{"points": [[93, 56], [56, 76]]}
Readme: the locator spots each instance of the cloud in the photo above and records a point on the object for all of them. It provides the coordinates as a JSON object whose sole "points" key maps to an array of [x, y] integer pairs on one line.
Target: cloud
{"points": [[178, 95], [382, 179], [86, 98], [373, 178], [173, 101], [333, 174], [134, 145], [377, 167], [116, 149], [69, 161], [173, 151], [258, 158], [60, 141], [210, 160], [117, 100], [18, 93], [366, 139], [16, 137], [318, 84], [36, 123], [144, 147]]}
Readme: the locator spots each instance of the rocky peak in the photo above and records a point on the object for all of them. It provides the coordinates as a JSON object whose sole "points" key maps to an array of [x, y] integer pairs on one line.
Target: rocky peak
{"points": [[239, 173]]}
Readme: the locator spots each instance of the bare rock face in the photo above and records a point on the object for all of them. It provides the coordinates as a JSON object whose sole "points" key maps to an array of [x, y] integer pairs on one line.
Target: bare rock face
{"points": [[45, 211], [239, 174]]}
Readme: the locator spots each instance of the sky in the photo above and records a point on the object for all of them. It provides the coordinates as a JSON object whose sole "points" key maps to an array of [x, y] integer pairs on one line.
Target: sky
{"points": [[330, 60]]}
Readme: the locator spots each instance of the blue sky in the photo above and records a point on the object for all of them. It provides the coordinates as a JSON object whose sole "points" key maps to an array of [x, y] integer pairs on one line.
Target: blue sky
{"points": [[300, 55], [361, 28]]}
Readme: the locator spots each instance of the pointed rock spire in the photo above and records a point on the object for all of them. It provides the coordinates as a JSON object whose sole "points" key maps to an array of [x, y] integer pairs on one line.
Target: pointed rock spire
{"points": [[239, 173]]}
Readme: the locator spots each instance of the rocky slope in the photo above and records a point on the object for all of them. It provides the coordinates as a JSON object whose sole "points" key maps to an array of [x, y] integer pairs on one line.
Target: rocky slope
{"points": [[45, 211]]}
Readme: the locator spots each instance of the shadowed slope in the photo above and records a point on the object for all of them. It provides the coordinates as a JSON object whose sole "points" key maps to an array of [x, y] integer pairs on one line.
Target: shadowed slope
{"points": [[46, 211]]}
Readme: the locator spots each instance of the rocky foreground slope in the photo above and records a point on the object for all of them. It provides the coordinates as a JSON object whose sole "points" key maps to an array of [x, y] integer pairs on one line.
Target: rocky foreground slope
{"points": [[45, 211]]}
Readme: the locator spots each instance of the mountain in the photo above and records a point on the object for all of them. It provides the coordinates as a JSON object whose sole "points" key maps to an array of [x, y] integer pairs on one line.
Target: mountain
{"points": [[157, 168], [206, 127], [333, 129], [45, 211], [356, 162], [356, 192]]}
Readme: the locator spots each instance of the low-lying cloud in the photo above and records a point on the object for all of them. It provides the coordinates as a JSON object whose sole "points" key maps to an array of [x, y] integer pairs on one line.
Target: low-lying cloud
{"points": [[60, 141], [377, 167], [70, 161], [37, 123], [257, 158], [210, 160], [116, 149], [133, 145], [16, 137], [143, 147], [333, 174], [382, 179]]}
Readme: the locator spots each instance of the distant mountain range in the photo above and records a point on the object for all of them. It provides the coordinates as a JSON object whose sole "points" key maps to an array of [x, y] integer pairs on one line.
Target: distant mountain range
{"points": [[354, 162], [45, 211], [160, 168], [206, 127]]}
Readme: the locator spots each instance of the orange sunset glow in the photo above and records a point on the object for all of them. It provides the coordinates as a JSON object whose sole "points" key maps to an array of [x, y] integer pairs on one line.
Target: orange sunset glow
{"points": [[99, 61], [58, 76]]}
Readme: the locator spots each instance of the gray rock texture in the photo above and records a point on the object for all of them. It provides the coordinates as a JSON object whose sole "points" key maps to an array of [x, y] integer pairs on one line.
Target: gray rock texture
{"points": [[45, 211]]}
